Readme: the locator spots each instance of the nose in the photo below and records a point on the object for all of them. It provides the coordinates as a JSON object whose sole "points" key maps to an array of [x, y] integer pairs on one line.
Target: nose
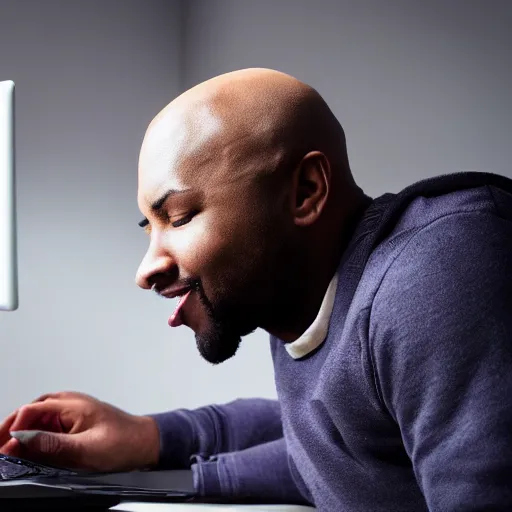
{"points": [[156, 264]]}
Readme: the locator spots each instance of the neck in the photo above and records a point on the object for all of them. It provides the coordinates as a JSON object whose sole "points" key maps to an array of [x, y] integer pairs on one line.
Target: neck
{"points": [[304, 295], [303, 306]]}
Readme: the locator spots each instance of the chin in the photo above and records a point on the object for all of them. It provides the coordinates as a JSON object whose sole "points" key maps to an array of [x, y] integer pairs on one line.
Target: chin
{"points": [[214, 355], [217, 346]]}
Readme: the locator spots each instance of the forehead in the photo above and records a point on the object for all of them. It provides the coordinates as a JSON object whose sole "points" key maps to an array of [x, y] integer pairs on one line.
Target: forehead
{"points": [[174, 140]]}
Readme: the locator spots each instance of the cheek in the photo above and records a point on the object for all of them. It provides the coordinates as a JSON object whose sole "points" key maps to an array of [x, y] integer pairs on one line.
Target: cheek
{"points": [[201, 248]]}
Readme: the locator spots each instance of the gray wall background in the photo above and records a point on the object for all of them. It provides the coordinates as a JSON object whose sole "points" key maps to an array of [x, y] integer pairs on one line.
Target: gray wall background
{"points": [[422, 88]]}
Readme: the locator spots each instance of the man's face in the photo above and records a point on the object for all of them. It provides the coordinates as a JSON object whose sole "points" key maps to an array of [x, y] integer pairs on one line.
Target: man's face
{"points": [[214, 231]]}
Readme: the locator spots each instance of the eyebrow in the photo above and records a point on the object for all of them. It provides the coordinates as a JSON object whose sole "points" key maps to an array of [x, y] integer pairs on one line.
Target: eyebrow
{"points": [[156, 206]]}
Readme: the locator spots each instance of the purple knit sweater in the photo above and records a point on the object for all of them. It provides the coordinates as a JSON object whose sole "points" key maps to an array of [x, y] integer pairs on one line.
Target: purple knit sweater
{"points": [[407, 405]]}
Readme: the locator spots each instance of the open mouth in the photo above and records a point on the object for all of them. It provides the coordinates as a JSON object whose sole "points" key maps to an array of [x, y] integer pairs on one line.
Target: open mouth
{"points": [[176, 319]]}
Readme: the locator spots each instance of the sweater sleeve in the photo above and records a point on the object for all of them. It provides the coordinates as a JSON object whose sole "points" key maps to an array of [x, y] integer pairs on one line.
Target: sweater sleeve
{"points": [[441, 339], [215, 429], [259, 473]]}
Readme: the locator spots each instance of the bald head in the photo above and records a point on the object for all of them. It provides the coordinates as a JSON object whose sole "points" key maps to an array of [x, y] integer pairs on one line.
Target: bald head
{"points": [[240, 125], [245, 184]]}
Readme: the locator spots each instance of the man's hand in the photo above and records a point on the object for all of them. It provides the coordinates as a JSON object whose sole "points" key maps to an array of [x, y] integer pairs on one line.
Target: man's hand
{"points": [[81, 432]]}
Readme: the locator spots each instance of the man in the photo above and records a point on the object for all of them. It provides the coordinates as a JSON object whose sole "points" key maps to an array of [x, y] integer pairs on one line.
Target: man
{"points": [[389, 319]]}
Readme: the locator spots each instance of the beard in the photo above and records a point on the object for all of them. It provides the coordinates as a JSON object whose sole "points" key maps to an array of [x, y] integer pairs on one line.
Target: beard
{"points": [[227, 327], [249, 298]]}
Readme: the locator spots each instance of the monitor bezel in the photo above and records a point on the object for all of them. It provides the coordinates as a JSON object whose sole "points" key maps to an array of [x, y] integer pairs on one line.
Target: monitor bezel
{"points": [[8, 243]]}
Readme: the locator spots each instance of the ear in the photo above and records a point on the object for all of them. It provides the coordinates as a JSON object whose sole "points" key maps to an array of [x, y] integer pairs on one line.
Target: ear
{"points": [[311, 185]]}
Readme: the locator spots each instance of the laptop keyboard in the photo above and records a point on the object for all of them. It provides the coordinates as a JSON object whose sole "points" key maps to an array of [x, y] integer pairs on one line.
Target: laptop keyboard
{"points": [[12, 468]]}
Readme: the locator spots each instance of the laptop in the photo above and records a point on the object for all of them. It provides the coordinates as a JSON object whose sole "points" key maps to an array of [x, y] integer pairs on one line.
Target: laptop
{"points": [[26, 485]]}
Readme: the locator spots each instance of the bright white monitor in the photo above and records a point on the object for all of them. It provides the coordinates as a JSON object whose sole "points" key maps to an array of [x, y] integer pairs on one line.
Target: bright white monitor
{"points": [[8, 253]]}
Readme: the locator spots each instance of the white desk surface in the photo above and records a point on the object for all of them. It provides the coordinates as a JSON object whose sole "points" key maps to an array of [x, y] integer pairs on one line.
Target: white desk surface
{"points": [[200, 507]]}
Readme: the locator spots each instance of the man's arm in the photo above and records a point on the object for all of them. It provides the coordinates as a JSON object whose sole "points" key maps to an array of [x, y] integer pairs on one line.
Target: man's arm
{"points": [[261, 472], [441, 337], [236, 450], [216, 429]]}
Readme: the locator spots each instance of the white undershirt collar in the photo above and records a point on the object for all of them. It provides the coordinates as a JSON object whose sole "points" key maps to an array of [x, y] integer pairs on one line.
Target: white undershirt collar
{"points": [[316, 333]]}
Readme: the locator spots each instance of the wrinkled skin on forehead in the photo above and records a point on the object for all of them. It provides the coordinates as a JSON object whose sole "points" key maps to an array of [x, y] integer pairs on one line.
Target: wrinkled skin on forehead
{"points": [[230, 147]]}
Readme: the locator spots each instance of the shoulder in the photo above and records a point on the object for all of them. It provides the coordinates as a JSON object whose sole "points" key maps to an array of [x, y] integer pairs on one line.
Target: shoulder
{"points": [[452, 246], [449, 284], [446, 226], [442, 310]]}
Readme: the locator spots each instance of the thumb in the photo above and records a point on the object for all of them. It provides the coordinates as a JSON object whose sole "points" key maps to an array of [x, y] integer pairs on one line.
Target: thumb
{"points": [[54, 446]]}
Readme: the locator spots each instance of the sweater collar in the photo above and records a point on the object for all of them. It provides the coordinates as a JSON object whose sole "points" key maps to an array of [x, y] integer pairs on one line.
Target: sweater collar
{"points": [[316, 333]]}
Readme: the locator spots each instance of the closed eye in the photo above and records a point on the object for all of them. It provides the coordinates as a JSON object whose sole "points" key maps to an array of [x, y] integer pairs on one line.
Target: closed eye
{"points": [[184, 220]]}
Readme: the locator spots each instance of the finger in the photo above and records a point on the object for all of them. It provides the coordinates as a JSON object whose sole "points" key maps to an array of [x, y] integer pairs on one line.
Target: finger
{"points": [[61, 395], [11, 448], [62, 450], [8, 420], [5, 427], [31, 415], [51, 421], [46, 396]]}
